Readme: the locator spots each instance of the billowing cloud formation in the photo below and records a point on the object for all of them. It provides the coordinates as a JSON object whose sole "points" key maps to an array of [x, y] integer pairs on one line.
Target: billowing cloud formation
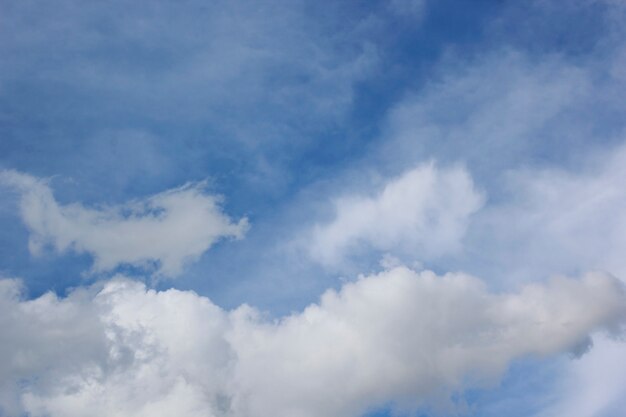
{"points": [[567, 221], [400, 336], [424, 211], [168, 229]]}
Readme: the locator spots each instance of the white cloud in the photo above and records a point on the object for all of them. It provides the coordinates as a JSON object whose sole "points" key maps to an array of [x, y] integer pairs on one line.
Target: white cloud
{"points": [[423, 212], [495, 112], [170, 228], [564, 221], [594, 385], [510, 111], [44, 338], [402, 337]]}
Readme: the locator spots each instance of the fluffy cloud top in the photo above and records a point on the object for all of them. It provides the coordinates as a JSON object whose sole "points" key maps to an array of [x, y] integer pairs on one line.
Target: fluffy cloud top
{"points": [[168, 229], [400, 336], [424, 211]]}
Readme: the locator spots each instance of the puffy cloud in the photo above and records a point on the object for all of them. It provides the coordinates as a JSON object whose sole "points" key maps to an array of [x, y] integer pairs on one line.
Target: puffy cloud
{"points": [[44, 339], [423, 212], [170, 228], [398, 337], [566, 221]]}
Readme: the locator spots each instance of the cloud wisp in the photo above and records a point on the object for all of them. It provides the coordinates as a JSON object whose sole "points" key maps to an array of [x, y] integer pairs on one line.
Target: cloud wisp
{"points": [[402, 337], [162, 232], [565, 221]]}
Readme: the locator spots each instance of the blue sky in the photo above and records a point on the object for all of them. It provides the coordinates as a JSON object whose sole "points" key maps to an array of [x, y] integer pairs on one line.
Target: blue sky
{"points": [[245, 158]]}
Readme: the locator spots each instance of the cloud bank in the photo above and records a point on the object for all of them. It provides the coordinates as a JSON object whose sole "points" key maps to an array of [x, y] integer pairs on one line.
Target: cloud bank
{"points": [[402, 337], [163, 231]]}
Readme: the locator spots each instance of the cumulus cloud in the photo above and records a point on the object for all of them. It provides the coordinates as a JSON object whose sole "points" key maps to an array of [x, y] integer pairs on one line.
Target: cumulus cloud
{"points": [[45, 334], [167, 229], [566, 221], [398, 337], [424, 212]]}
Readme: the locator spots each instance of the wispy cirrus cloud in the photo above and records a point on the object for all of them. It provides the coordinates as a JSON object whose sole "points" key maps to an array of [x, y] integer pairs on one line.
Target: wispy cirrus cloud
{"points": [[161, 232], [229, 63], [564, 220]]}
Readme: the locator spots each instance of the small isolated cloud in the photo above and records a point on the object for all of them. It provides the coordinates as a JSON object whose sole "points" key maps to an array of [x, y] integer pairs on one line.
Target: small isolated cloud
{"points": [[169, 229], [400, 337], [423, 212]]}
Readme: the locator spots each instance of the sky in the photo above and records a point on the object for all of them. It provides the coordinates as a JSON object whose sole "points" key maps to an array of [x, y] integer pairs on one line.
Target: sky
{"points": [[312, 209]]}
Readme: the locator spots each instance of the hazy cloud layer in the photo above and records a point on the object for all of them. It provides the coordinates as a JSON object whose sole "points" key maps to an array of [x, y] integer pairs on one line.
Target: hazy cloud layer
{"points": [[227, 65], [162, 232], [593, 385], [400, 336], [564, 221], [498, 111]]}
